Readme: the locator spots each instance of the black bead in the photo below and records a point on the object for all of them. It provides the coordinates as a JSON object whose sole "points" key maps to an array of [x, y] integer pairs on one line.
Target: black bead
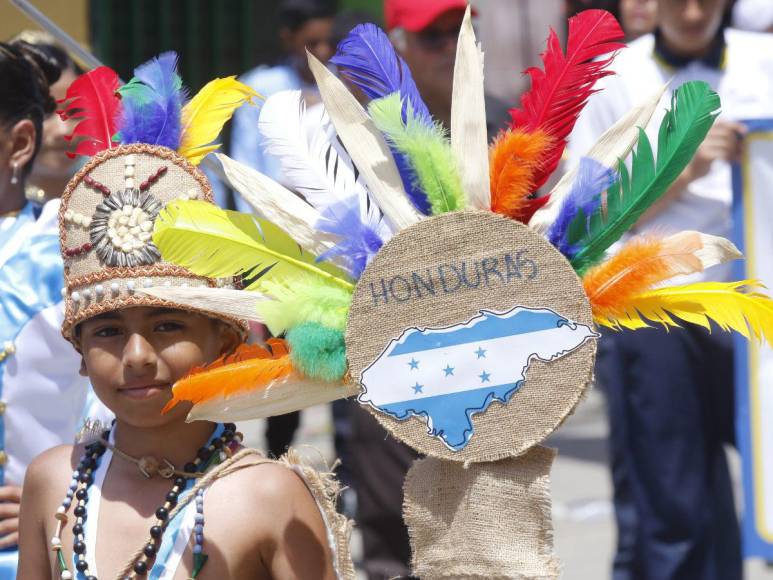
{"points": [[179, 482], [140, 568], [88, 463], [77, 530], [203, 453], [80, 511], [189, 467], [161, 513], [230, 427], [217, 443], [227, 435], [156, 531], [79, 547], [86, 477], [106, 435], [100, 449], [91, 578], [81, 565], [149, 551], [171, 497], [82, 494]]}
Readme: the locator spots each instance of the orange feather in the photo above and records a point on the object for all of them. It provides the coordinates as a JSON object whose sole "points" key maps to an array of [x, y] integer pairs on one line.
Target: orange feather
{"points": [[251, 367], [515, 158], [640, 265]]}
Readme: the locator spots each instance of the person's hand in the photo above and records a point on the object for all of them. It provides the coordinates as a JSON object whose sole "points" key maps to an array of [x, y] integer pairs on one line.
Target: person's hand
{"points": [[724, 141], [10, 498]]}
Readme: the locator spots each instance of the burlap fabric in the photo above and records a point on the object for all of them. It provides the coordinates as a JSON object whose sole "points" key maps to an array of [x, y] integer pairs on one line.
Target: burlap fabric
{"points": [[108, 252], [485, 520], [551, 390]]}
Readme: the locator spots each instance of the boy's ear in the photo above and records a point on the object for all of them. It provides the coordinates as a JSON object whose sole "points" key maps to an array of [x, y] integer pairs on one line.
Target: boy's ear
{"points": [[83, 371], [229, 339]]}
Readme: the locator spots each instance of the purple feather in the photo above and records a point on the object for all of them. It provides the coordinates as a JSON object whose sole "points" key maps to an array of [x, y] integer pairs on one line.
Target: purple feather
{"points": [[367, 59], [582, 201], [359, 241], [152, 102]]}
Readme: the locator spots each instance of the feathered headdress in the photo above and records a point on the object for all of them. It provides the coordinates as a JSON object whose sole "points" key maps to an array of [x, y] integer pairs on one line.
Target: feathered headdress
{"points": [[367, 174], [145, 138]]}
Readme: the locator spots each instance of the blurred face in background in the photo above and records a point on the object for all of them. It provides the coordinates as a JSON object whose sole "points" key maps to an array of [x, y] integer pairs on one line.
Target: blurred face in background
{"points": [[316, 35], [52, 162], [638, 17], [690, 26], [430, 54]]}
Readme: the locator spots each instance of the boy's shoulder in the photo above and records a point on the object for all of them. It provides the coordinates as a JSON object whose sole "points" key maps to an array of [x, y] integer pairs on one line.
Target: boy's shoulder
{"points": [[59, 459]]}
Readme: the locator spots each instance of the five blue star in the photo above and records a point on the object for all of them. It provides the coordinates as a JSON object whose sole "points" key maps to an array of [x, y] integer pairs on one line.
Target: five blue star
{"points": [[484, 377], [417, 388], [449, 370], [481, 352], [414, 364]]}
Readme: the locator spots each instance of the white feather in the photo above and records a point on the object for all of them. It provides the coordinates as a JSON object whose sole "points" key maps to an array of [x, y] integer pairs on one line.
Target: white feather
{"points": [[366, 147], [237, 303], [312, 160], [468, 118]]}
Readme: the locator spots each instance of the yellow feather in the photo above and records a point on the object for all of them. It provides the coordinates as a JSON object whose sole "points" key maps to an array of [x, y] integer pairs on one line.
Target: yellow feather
{"points": [[205, 114], [731, 305]]}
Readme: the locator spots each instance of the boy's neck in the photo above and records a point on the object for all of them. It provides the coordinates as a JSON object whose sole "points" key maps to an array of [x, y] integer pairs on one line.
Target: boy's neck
{"points": [[175, 442]]}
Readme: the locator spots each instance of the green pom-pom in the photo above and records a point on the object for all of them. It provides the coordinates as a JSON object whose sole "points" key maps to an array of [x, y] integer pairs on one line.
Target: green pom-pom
{"points": [[317, 351]]}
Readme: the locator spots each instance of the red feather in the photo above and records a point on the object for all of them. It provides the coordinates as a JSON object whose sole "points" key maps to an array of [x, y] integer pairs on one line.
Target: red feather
{"points": [[559, 93], [92, 99]]}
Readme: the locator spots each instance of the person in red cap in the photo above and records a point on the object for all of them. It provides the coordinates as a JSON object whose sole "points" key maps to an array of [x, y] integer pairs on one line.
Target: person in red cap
{"points": [[425, 32]]}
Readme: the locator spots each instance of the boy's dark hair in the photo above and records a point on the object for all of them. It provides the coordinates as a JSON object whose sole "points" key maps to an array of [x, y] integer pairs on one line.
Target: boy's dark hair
{"points": [[293, 14], [27, 72]]}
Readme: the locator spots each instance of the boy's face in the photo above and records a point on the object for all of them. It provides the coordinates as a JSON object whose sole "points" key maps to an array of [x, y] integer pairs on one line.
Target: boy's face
{"points": [[134, 356]]}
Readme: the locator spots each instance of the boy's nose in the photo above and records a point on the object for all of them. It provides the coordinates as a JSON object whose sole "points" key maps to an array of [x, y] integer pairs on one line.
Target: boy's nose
{"points": [[138, 353]]}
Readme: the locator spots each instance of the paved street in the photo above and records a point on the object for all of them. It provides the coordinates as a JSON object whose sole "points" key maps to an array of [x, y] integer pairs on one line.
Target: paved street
{"points": [[582, 512]]}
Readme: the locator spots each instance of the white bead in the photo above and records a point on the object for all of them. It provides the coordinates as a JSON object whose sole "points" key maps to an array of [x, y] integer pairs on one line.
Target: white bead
{"points": [[100, 290], [129, 171], [130, 285], [146, 226], [56, 542], [192, 193], [134, 230], [129, 183], [148, 282], [114, 288], [68, 215], [75, 296], [183, 197], [87, 293], [61, 510], [66, 575], [145, 236], [127, 210], [167, 283], [63, 292], [130, 159]]}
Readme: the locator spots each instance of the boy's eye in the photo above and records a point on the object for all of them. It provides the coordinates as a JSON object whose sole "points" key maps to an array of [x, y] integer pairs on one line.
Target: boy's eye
{"points": [[168, 326], [107, 331]]}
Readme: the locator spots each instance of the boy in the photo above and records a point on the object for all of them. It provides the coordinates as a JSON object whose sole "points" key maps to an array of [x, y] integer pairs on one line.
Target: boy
{"points": [[255, 518]]}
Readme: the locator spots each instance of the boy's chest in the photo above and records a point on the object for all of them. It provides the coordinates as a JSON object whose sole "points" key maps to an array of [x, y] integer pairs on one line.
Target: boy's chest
{"points": [[123, 530]]}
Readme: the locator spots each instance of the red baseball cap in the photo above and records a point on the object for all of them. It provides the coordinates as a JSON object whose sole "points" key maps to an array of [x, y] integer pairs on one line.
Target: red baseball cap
{"points": [[416, 15]]}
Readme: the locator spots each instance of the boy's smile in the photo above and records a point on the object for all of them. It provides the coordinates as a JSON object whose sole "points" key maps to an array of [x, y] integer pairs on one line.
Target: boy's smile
{"points": [[133, 357]]}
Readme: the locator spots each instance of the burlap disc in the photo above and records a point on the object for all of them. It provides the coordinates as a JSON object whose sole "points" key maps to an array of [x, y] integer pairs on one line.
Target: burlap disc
{"points": [[489, 520], [551, 390]]}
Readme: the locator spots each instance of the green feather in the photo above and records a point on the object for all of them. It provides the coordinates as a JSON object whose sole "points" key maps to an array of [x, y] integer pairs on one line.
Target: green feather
{"points": [[428, 151], [694, 106], [307, 299], [217, 243], [318, 352]]}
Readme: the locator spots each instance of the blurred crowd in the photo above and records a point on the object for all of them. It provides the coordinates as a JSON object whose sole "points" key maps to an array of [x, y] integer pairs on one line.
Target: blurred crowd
{"points": [[670, 396]]}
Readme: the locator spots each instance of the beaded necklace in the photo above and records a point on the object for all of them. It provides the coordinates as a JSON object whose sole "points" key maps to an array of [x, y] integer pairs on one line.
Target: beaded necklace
{"points": [[208, 456]]}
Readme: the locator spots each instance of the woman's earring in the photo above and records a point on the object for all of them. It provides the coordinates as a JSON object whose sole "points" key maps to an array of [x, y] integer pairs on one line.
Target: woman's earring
{"points": [[14, 174]]}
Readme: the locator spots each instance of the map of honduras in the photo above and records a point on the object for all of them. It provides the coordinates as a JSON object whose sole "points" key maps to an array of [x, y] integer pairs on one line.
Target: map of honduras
{"points": [[449, 374]]}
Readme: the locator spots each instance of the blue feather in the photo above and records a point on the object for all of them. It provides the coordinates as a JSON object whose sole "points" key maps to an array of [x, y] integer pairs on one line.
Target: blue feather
{"points": [[367, 59], [582, 201], [152, 102], [359, 242]]}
